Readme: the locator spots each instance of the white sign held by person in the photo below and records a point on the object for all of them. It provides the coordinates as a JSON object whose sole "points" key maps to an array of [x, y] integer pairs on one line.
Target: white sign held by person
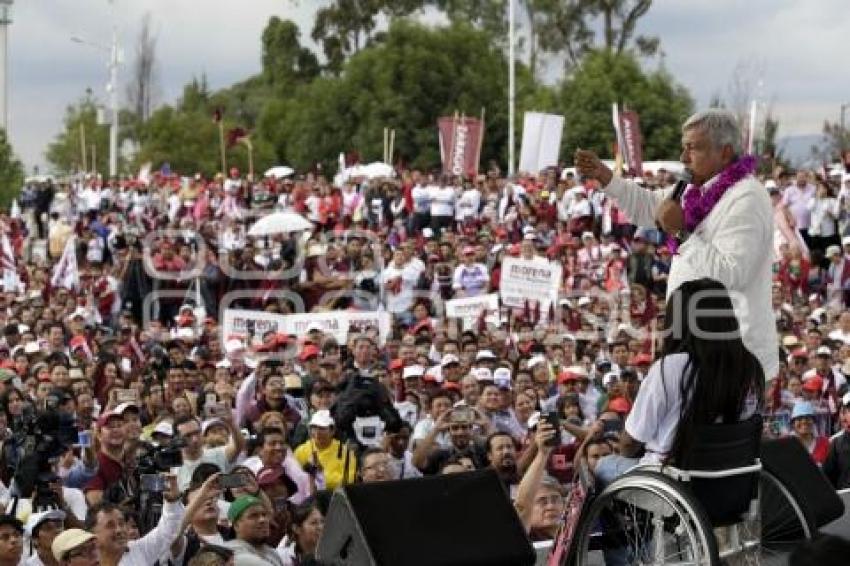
{"points": [[533, 280], [472, 307], [254, 324], [541, 141]]}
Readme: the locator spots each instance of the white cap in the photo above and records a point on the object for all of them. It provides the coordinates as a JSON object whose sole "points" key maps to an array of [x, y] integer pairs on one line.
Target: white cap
{"points": [[530, 236], [535, 360], [163, 427], [322, 419], [610, 378], [770, 184], [528, 230], [823, 351], [413, 371], [121, 407], [578, 370], [587, 236], [78, 312], [834, 250], [427, 233], [485, 355], [31, 347], [38, 518], [185, 334], [223, 364], [211, 422], [845, 240], [583, 302], [502, 374], [449, 359], [233, 345]]}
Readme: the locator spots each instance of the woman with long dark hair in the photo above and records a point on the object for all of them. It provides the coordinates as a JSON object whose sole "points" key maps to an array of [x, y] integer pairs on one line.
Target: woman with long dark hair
{"points": [[705, 375]]}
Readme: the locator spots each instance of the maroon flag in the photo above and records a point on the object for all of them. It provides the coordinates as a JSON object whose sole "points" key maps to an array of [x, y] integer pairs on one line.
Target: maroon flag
{"points": [[460, 145], [632, 142]]}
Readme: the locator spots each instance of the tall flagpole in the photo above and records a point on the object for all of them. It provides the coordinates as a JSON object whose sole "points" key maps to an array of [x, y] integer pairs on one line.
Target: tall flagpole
{"points": [[511, 87]]}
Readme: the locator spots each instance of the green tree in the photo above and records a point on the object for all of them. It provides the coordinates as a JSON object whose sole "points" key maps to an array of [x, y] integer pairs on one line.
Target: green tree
{"points": [[187, 138], [414, 76], [65, 152], [285, 61], [346, 26], [11, 171], [604, 78]]}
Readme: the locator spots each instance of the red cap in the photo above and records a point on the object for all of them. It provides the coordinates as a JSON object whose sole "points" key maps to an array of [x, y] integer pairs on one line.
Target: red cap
{"points": [[566, 377], [619, 405], [104, 418], [642, 359], [308, 352], [800, 353], [468, 250], [397, 363], [814, 384], [77, 342]]}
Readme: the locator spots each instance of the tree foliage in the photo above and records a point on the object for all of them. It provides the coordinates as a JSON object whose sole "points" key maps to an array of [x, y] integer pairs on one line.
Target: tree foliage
{"points": [[65, 153], [416, 75], [11, 171], [604, 78]]}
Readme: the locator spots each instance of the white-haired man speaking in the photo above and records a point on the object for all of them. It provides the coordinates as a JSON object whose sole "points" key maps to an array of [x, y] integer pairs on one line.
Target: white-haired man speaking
{"points": [[724, 219]]}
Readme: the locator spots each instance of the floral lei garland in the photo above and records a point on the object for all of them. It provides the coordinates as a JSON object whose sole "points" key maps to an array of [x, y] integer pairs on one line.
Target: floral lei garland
{"points": [[698, 205]]}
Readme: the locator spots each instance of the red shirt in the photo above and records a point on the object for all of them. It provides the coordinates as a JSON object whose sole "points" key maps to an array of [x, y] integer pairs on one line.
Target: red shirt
{"points": [[108, 472]]}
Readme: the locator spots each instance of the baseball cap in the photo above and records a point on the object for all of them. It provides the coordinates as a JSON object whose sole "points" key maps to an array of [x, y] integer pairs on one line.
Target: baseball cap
{"points": [[103, 419], [164, 428], [567, 376], [239, 506], [413, 371], [619, 405], [308, 352], [482, 374], [485, 355], [814, 384], [322, 419], [802, 409], [845, 240], [122, 407], [38, 518], [397, 363], [824, 351], [270, 476], [834, 250], [68, 540], [449, 359]]}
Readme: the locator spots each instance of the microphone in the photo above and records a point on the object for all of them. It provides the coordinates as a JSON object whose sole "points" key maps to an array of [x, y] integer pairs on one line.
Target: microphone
{"points": [[681, 185]]}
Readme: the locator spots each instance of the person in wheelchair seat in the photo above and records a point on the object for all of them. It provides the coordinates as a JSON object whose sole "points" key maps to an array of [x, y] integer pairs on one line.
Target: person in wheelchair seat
{"points": [[704, 375]]}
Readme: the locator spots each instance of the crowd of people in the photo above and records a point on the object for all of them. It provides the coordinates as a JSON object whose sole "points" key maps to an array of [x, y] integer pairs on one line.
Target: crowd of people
{"points": [[172, 441]]}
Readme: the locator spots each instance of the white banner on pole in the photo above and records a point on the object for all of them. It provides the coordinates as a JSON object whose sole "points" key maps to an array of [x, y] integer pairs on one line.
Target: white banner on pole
{"points": [[252, 325], [541, 141], [533, 280]]}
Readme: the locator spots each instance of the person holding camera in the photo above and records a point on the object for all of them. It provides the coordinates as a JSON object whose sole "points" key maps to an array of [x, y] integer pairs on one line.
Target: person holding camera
{"points": [[458, 422], [110, 457], [108, 523], [194, 453]]}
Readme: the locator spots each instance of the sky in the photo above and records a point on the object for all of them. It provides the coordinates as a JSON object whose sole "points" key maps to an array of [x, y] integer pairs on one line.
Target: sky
{"points": [[791, 51]]}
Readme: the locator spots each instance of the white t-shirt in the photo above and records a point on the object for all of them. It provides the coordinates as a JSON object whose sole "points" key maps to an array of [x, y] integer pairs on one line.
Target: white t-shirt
{"points": [[421, 196], [654, 418], [215, 456], [443, 201]]}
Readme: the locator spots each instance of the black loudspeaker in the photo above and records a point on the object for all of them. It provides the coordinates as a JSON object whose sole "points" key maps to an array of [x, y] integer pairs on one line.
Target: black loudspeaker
{"points": [[786, 459], [457, 519]]}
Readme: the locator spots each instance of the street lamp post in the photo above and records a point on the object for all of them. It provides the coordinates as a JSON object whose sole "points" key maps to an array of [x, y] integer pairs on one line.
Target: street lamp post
{"points": [[112, 90], [5, 20], [843, 131]]}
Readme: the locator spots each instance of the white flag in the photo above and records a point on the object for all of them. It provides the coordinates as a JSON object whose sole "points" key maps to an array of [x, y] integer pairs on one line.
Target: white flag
{"points": [[7, 264], [541, 141], [66, 274], [16, 210]]}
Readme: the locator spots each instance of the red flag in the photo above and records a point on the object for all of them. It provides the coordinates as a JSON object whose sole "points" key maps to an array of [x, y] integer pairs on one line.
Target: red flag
{"points": [[459, 144], [632, 142], [235, 135]]}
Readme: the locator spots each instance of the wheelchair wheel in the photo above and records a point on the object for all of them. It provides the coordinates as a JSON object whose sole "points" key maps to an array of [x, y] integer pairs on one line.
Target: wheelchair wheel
{"points": [[645, 518], [783, 523]]}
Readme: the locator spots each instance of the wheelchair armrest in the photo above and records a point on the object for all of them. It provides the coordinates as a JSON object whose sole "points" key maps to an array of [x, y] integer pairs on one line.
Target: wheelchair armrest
{"points": [[687, 475]]}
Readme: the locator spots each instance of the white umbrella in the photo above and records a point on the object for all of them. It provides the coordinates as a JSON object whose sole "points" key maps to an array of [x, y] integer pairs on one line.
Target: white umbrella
{"points": [[376, 170], [279, 172], [279, 223]]}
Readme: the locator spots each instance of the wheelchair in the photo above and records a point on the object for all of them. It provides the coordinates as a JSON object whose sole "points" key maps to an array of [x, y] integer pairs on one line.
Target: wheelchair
{"points": [[743, 501]]}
